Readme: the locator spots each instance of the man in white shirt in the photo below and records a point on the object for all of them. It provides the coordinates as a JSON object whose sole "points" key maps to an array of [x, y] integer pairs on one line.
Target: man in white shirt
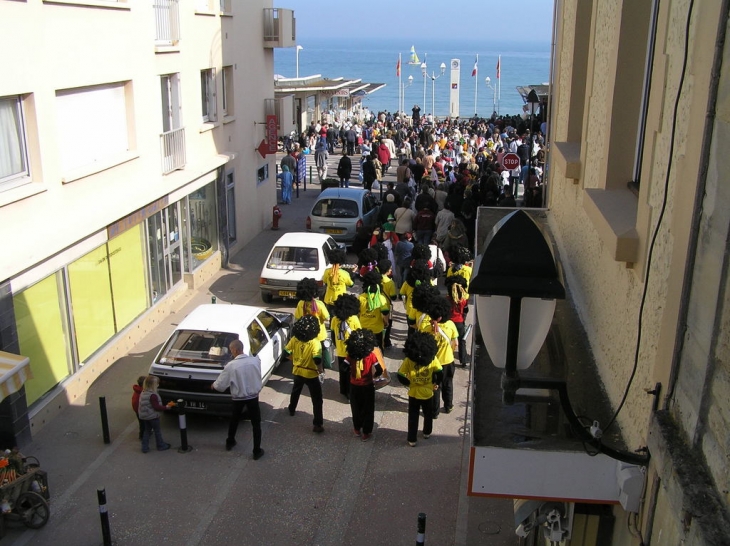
{"points": [[243, 376]]}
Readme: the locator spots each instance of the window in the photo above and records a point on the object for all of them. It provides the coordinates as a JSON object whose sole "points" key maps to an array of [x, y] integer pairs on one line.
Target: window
{"points": [[92, 125], [171, 103], [231, 207], [262, 175], [227, 91], [225, 6], [13, 153], [207, 92]]}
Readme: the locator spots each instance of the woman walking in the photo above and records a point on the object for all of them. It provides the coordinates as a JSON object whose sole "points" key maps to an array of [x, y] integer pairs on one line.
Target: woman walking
{"points": [[364, 366]]}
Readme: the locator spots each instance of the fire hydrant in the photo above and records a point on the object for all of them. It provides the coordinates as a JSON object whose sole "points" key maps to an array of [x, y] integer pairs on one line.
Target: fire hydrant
{"points": [[276, 216]]}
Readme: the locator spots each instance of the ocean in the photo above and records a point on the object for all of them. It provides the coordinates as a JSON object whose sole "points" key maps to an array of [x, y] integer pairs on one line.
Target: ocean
{"points": [[522, 64]]}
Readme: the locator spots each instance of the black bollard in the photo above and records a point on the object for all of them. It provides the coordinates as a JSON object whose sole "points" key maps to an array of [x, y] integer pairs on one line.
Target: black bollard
{"points": [[421, 535], [184, 447], [104, 515], [213, 299], [104, 420]]}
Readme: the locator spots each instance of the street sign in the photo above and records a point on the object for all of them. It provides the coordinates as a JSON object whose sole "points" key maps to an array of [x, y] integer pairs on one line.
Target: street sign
{"points": [[511, 161], [272, 137], [263, 148]]}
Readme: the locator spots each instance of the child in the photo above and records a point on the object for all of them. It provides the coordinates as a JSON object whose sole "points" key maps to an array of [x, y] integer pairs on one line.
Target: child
{"points": [[335, 279], [310, 304], [460, 264], [150, 409], [459, 299], [344, 322], [445, 334], [306, 355], [374, 307], [417, 274], [364, 366], [421, 373], [387, 288], [135, 402]]}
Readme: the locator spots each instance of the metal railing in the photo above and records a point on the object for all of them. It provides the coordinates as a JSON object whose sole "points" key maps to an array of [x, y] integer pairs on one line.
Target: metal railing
{"points": [[167, 22], [271, 24], [172, 146]]}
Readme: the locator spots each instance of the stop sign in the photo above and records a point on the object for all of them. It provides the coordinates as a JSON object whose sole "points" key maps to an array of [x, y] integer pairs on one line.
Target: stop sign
{"points": [[511, 161]]}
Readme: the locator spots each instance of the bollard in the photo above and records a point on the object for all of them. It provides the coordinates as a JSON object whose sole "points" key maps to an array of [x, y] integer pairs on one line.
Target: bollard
{"points": [[421, 535], [184, 447], [213, 299], [297, 188], [104, 420], [104, 515]]}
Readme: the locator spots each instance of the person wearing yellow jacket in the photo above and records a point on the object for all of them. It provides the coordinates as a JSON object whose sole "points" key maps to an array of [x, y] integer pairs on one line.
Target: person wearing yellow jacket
{"points": [[335, 279], [306, 355], [344, 322], [310, 304], [421, 372], [437, 323], [374, 307]]}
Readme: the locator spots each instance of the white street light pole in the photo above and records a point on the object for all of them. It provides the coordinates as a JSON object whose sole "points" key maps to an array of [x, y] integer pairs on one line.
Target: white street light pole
{"points": [[494, 94], [410, 82], [425, 75], [434, 77], [299, 48]]}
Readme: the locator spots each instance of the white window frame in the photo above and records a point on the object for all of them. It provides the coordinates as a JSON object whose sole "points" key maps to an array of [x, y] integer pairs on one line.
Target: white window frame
{"points": [[17, 139], [227, 91], [208, 95], [171, 102], [93, 128]]}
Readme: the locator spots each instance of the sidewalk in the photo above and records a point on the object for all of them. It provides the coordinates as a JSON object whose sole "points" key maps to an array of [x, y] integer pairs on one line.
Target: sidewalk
{"points": [[329, 489]]}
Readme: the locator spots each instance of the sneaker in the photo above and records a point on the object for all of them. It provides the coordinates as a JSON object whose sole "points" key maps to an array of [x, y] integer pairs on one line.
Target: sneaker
{"points": [[145, 450], [449, 409], [356, 432], [292, 411], [436, 415], [258, 454], [164, 447], [318, 429], [412, 444], [230, 444], [426, 436], [366, 437]]}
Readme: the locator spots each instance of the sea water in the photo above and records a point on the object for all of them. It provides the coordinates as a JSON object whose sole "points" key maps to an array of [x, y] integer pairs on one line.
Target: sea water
{"points": [[374, 61]]}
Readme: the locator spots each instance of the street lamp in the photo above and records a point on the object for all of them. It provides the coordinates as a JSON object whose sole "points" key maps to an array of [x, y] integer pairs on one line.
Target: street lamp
{"points": [[299, 48], [516, 276], [425, 75], [434, 77], [494, 94], [410, 82]]}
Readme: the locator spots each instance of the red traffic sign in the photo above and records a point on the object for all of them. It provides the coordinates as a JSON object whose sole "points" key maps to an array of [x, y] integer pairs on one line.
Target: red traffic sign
{"points": [[511, 161]]}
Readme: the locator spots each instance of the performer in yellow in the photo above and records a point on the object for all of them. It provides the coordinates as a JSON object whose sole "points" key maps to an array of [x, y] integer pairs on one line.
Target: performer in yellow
{"points": [[344, 322], [374, 307], [335, 279], [310, 304]]}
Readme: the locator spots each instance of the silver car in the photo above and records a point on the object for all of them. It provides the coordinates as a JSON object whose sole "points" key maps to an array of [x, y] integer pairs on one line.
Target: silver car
{"points": [[349, 215]]}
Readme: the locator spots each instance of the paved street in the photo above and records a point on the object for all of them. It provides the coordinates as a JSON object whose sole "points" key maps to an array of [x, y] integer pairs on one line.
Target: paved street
{"points": [[329, 489]]}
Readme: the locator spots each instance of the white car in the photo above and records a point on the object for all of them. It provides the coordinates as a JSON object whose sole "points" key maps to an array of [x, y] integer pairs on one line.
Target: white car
{"points": [[196, 352], [294, 257]]}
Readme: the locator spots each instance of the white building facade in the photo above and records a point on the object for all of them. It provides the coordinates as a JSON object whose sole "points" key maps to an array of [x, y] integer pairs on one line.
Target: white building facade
{"points": [[128, 173]]}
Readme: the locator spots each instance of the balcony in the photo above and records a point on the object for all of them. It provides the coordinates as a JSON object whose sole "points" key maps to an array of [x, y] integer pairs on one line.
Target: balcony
{"points": [[279, 28], [172, 146], [167, 22]]}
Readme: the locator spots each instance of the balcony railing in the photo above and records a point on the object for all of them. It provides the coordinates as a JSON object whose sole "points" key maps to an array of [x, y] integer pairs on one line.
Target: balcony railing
{"points": [[167, 22], [279, 27], [172, 146]]}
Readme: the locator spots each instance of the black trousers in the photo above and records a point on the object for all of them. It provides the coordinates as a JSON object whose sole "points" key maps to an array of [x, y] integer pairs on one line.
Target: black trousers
{"points": [[362, 405], [315, 392], [445, 391], [415, 405], [254, 413], [463, 357], [344, 370]]}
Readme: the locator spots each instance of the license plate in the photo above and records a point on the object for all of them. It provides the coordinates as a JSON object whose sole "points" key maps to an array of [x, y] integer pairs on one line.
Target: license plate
{"points": [[334, 231], [195, 405], [287, 294]]}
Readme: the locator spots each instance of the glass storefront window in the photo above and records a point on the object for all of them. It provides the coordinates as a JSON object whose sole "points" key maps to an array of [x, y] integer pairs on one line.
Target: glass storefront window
{"points": [[203, 224]]}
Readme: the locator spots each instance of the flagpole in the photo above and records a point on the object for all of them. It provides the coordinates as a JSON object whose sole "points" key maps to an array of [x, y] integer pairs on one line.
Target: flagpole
{"points": [[499, 82], [400, 86], [476, 83]]}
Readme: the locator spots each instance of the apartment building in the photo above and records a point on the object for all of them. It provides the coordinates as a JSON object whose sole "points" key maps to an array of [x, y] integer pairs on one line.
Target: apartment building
{"points": [[128, 174], [639, 208]]}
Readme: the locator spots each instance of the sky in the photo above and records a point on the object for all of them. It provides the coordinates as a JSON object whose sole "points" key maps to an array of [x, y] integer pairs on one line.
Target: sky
{"points": [[529, 20]]}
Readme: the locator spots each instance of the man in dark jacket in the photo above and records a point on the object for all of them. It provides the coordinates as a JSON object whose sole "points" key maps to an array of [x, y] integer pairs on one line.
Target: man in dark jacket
{"points": [[344, 170]]}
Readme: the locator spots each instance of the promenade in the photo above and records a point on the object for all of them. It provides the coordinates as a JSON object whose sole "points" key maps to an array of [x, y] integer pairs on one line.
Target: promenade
{"points": [[326, 489]]}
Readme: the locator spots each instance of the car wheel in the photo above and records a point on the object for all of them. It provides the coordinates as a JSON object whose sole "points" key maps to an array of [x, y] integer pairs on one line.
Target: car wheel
{"points": [[266, 297]]}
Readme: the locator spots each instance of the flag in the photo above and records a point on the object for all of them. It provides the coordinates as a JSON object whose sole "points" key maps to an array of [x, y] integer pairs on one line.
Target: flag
{"points": [[397, 67], [474, 71], [499, 59]]}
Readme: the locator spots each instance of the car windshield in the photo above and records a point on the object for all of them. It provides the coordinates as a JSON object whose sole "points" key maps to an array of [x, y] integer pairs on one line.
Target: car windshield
{"points": [[335, 208], [199, 347], [294, 257]]}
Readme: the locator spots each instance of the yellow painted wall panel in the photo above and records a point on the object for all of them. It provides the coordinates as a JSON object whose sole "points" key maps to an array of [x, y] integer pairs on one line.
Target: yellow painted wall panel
{"points": [[127, 266]]}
